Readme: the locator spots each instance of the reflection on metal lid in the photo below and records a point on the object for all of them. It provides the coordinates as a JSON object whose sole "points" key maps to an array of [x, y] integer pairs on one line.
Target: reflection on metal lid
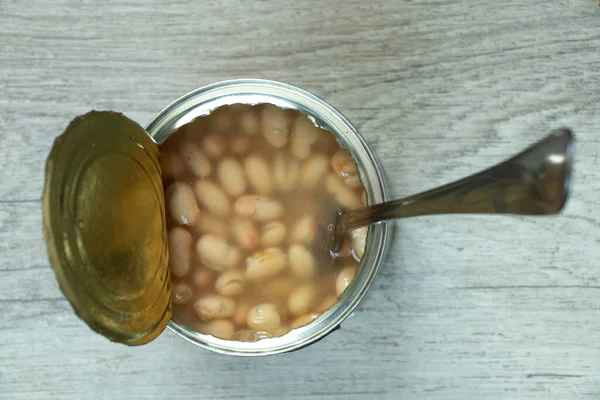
{"points": [[105, 228]]}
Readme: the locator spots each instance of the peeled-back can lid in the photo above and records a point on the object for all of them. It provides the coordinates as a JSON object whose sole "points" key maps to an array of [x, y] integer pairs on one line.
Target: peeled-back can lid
{"points": [[105, 226]]}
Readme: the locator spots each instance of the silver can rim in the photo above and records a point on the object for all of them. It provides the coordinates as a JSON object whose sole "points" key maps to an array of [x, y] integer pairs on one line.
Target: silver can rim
{"points": [[203, 101]]}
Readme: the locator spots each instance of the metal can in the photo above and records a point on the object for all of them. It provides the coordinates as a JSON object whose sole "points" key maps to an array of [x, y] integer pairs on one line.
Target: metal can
{"points": [[129, 305]]}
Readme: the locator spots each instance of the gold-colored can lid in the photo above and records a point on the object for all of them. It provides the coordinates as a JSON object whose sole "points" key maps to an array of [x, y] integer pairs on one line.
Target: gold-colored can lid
{"points": [[105, 226]]}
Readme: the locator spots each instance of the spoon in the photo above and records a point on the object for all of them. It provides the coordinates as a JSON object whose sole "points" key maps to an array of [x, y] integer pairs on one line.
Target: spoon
{"points": [[534, 182]]}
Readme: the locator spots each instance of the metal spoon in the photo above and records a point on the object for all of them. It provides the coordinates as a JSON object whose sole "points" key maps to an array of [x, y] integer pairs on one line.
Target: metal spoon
{"points": [[534, 182]]}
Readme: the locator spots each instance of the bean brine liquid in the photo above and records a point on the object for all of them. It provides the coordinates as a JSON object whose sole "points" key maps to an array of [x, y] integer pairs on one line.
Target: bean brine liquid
{"points": [[244, 188]]}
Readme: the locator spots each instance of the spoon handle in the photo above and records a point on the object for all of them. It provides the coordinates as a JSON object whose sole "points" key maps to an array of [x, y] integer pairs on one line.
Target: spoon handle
{"points": [[534, 182]]}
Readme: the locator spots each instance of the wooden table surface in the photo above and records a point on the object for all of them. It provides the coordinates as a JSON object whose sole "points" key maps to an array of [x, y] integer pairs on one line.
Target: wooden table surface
{"points": [[465, 307]]}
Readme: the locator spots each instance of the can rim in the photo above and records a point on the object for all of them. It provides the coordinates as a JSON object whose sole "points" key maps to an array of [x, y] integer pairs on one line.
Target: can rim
{"points": [[204, 100]]}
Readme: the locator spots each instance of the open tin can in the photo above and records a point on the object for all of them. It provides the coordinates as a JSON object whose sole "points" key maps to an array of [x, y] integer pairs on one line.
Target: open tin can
{"points": [[105, 225]]}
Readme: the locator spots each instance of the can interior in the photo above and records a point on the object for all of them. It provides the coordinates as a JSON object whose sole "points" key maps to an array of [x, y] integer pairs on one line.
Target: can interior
{"points": [[202, 102]]}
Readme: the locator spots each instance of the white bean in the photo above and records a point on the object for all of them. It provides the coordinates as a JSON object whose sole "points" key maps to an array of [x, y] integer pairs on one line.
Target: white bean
{"points": [[245, 233], [326, 304], [246, 205], [249, 335], [216, 253], [264, 317], [208, 223], [171, 165], [259, 208], [241, 312], [273, 234], [214, 307], [344, 279], [343, 194], [285, 171], [240, 145], [358, 240], [181, 293], [304, 135], [344, 166], [304, 320], [180, 251], [231, 283], [245, 335], [354, 182], [259, 335], [345, 249], [249, 122], [220, 328], [302, 262], [195, 159], [275, 125], [304, 230], [222, 119], [280, 330], [302, 299], [214, 145], [363, 198], [259, 174], [265, 263], [181, 204], [211, 196], [231, 176], [313, 171], [203, 277]]}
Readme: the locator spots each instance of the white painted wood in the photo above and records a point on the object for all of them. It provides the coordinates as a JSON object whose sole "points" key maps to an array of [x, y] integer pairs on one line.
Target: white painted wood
{"points": [[465, 307]]}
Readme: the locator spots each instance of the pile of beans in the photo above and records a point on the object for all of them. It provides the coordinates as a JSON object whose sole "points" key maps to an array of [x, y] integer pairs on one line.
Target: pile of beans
{"points": [[244, 187]]}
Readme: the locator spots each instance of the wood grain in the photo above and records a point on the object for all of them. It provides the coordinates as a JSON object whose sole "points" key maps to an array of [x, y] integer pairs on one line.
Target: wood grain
{"points": [[465, 307]]}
